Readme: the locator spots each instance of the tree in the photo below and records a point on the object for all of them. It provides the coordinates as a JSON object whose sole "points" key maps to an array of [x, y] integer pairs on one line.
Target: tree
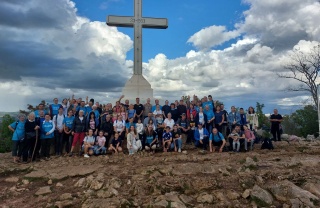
{"points": [[263, 119], [304, 67], [6, 134]]}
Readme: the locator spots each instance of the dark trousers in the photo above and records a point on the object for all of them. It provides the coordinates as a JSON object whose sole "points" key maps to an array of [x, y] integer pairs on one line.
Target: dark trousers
{"points": [[204, 145], [276, 133], [27, 148], [190, 136], [108, 137], [209, 126], [143, 140], [219, 128], [45, 147], [58, 142], [67, 142]]}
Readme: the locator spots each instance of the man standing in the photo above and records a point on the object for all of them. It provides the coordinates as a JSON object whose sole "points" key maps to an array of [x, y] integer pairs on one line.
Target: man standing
{"points": [[182, 108], [54, 107], [139, 110], [58, 132], [165, 109], [147, 108], [275, 120], [233, 118], [155, 106]]}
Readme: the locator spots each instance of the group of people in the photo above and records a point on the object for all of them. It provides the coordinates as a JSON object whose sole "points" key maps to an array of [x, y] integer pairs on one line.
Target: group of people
{"points": [[100, 128]]}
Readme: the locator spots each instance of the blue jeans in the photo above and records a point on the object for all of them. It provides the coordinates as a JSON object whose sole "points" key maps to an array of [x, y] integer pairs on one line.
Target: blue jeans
{"points": [[177, 142], [96, 150]]}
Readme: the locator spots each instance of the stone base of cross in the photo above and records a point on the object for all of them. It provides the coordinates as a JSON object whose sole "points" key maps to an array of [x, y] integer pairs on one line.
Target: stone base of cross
{"points": [[137, 86]]}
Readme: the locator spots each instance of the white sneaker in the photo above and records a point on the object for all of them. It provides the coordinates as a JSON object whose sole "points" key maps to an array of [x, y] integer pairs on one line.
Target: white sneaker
{"points": [[179, 150], [86, 156]]}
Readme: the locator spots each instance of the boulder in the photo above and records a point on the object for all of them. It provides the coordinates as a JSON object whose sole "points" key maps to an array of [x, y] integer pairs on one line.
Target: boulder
{"points": [[314, 188], [12, 180], [246, 193], [43, 190], [261, 195], [286, 190], [205, 198], [65, 196]]}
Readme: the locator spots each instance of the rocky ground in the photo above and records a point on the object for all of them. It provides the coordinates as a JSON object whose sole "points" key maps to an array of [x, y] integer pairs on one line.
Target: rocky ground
{"points": [[288, 176]]}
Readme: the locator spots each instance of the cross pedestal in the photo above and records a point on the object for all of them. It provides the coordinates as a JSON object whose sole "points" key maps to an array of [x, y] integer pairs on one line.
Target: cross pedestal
{"points": [[137, 86]]}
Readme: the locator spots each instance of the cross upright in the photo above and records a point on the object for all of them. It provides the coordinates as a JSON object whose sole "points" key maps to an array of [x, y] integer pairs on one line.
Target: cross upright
{"points": [[137, 22]]}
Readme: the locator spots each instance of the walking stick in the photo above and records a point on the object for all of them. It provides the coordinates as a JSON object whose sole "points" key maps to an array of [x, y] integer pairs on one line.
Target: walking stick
{"points": [[35, 146]]}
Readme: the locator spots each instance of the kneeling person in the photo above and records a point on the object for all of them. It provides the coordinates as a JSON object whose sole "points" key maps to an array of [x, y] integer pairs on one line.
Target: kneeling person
{"points": [[177, 141], [88, 144], [151, 139], [99, 148], [115, 145], [166, 139], [216, 140]]}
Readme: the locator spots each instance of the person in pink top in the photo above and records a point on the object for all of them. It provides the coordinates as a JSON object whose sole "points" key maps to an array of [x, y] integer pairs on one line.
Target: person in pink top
{"points": [[249, 136], [99, 147]]}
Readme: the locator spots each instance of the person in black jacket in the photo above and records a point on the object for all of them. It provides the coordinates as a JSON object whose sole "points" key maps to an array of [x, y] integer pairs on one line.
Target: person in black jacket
{"points": [[107, 128], [31, 126], [174, 112], [201, 117], [78, 130]]}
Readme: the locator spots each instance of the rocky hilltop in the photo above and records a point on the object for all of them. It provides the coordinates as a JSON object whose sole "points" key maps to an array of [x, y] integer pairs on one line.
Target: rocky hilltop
{"points": [[288, 176]]}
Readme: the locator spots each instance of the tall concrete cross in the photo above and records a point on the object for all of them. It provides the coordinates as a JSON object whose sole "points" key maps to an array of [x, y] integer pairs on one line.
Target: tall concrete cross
{"points": [[137, 22]]}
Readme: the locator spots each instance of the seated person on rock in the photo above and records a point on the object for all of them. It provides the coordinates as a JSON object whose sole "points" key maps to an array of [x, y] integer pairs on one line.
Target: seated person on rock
{"points": [[115, 145], [235, 140], [166, 139], [176, 145], [201, 137], [100, 148], [216, 140], [151, 138], [241, 138], [88, 144], [249, 136]]}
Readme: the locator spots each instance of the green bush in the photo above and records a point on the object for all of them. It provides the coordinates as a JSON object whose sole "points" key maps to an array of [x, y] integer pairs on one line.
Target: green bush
{"points": [[6, 134]]}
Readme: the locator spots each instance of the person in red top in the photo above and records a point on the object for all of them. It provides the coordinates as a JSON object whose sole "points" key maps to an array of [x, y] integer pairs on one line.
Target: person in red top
{"points": [[192, 111]]}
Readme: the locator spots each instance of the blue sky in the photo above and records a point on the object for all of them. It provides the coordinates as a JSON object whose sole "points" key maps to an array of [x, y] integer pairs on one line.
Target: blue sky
{"points": [[230, 49], [185, 18]]}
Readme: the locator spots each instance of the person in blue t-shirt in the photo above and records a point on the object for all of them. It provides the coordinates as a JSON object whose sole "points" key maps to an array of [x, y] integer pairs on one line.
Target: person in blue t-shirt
{"points": [[210, 118], [47, 135], [216, 140], [40, 108], [54, 108], [67, 128], [83, 108], [17, 128]]}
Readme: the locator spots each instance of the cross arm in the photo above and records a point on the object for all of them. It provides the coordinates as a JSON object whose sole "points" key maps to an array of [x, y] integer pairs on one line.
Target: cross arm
{"points": [[157, 23], [120, 21]]}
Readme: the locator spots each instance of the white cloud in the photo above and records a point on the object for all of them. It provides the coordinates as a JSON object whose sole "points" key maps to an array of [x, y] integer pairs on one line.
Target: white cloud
{"points": [[212, 36]]}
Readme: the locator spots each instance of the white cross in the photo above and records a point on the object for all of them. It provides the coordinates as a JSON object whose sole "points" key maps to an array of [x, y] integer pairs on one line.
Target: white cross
{"points": [[137, 22]]}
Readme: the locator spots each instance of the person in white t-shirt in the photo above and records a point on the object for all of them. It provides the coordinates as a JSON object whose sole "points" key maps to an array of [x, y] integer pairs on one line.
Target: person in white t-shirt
{"points": [[119, 126], [169, 121]]}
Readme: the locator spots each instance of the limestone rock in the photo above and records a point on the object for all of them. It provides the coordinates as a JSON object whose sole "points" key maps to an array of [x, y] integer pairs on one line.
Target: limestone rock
{"points": [[12, 180], [50, 182], [185, 199], [81, 182], [246, 193], [262, 195], [43, 190], [65, 196], [65, 203], [232, 195], [96, 185], [250, 162], [161, 204], [286, 190], [313, 188], [59, 184], [205, 198]]}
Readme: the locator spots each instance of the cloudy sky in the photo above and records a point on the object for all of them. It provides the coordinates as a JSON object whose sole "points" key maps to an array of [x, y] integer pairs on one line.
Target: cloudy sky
{"points": [[229, 49]]}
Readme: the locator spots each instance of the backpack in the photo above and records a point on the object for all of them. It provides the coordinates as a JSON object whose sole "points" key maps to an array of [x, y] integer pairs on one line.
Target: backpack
{"points": [[267, 144]]}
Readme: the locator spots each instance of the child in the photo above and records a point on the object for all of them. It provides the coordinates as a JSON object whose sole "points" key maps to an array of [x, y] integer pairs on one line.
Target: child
{"points": [[166, 139], [99, 148], [131, 141], [115, 144], [140, 130], [249, 137], [88, 144], [235, 136]]}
